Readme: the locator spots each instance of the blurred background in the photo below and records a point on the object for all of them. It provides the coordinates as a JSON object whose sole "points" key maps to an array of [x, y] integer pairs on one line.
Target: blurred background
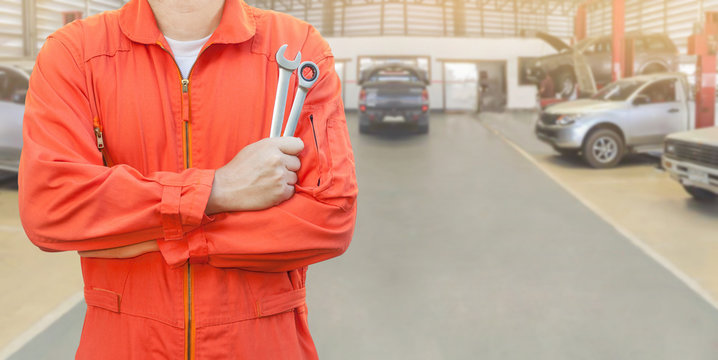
{"points": [[538, 180]]}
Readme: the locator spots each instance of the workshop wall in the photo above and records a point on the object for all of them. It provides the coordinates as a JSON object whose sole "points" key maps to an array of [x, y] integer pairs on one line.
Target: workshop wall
{"points": [[24, 25], [442, 49]]}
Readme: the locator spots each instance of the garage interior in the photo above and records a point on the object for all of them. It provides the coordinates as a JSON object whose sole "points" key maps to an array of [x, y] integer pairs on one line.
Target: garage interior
{"points": [[483, 238]]}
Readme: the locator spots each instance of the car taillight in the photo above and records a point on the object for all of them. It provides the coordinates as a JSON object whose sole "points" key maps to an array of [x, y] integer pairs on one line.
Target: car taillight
{"points": [[425, 96], [362, 95], [362, 108], [424, 108]]}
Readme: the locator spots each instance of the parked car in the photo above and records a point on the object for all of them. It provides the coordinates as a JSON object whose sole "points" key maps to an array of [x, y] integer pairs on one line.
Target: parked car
{"points": [[654, 53], [13, 88], [630, 115], [691, 158], [393, 94]]}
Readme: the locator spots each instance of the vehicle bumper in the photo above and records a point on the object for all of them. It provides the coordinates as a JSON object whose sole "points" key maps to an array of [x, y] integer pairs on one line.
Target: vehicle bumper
{"points": [[564, 137], [690, 174], [404, 117]]}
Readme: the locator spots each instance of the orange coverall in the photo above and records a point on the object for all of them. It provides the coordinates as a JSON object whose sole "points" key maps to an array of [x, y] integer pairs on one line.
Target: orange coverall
{"points": [[224, 286]]}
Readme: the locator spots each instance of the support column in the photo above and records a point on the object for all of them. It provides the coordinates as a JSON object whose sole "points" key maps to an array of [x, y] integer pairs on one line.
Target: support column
{"points": [[619, 24], [579, 25], [29, 29], [327, 17], [460, 18], [704, 44]]}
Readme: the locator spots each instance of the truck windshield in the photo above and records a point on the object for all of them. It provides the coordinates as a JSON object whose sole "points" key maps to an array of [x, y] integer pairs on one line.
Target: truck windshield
{"points": [[618, 91]]}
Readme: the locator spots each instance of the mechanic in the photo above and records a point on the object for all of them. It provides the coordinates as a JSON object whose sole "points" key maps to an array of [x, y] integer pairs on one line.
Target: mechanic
{"points": [[546, 86], [146, 150]]}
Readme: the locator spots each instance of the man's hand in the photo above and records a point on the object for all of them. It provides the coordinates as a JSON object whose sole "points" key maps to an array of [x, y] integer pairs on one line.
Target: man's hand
{"points": [[260, 176]]}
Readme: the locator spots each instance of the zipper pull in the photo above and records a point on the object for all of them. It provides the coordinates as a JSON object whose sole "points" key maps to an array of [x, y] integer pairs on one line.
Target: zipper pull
{"points": [[98, 133], [185, 85], [100, 140]]}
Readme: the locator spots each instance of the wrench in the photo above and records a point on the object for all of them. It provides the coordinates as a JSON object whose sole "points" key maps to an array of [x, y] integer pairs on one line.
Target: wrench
{"points": [[304, 85], [286, 68]]}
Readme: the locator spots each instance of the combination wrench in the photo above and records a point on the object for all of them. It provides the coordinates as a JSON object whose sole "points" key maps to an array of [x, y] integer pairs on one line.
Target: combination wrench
{"points": [[304, 85], [286, 68]]}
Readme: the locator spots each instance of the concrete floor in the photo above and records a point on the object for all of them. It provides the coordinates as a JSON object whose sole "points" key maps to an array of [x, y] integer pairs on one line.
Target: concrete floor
{"points": [[467, 249]]}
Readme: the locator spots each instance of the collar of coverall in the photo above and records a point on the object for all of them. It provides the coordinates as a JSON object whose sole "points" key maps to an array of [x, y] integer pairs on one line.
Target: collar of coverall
{"points": [[236, 26]]}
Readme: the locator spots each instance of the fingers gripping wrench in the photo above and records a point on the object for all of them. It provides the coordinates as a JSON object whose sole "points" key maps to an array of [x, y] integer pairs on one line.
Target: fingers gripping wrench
{"points": [[286, 68], [304, 84]]}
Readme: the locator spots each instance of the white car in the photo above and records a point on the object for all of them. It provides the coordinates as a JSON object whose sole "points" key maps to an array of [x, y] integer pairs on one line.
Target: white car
{"points": [[691, 158], [13, 88]]}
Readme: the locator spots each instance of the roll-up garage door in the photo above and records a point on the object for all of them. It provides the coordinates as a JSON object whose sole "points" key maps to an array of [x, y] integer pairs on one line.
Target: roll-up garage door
{"points": [[673, 17], [11, 40], [50, 13]]}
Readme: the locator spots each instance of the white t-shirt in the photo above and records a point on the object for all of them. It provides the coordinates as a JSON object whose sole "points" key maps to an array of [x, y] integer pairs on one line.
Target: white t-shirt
{"points": [[186, 53]]}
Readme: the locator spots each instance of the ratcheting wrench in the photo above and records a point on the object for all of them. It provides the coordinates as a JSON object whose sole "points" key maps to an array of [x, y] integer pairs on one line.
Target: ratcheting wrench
{"points": [[286, 68], [304, 85]]}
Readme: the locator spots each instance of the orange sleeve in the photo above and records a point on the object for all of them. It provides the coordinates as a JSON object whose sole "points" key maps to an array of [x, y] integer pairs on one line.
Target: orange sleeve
{"points": [[316, 224], [68, 199]]}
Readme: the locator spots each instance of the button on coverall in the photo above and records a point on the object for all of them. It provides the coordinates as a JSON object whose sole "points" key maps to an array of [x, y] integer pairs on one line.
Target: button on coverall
{"points": [[224, 286]]}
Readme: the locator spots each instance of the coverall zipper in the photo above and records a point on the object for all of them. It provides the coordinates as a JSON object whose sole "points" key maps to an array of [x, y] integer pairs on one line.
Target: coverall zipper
{"points": [[186, 144]]}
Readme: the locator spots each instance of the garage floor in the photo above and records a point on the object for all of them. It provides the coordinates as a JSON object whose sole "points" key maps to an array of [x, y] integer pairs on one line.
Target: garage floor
{"points": [[476, 242]]}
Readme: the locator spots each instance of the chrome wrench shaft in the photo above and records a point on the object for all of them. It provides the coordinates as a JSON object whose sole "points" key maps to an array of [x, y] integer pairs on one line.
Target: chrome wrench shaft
{"points": [[286, 68]]}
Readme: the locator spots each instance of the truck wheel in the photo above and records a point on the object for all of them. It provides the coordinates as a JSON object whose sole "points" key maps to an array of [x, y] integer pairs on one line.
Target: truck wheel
{"points": [[603, 149], [701, 195], [364, 129], [566, 83]]}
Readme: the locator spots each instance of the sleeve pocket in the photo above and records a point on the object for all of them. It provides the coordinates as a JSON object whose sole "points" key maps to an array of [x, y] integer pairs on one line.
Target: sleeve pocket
{"points": [[329, 170]]}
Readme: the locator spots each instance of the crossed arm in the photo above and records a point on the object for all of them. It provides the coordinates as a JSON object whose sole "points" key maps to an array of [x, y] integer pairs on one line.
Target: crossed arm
{"points": [[255, 212]]}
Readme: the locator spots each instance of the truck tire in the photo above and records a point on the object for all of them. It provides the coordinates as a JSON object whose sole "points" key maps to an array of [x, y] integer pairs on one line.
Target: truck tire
{"points": [[603, 149], [566, 83], [364, 129], [701, 195]]}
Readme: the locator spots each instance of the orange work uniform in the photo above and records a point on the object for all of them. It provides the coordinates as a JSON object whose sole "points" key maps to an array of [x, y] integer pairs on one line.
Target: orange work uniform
{"points": [[224, 286]]}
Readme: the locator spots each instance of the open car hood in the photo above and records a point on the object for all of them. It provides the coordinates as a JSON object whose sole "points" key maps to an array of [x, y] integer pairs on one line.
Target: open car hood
{"points": [[555, 42]]}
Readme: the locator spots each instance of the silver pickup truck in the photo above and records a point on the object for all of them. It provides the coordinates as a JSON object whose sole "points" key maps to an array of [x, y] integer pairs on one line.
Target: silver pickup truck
{"points": [[691, 158], [630, 115]]}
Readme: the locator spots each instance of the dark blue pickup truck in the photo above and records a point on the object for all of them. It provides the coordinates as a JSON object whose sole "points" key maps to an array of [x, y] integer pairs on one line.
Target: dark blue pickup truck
{"points": [[393, 95]]}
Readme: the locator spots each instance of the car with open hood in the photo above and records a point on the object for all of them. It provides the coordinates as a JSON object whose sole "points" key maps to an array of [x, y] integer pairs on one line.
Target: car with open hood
{"points": [[653, 53]]}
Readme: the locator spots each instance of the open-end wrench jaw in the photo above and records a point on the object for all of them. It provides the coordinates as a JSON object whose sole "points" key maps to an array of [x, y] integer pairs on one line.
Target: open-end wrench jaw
{"points": [[285, 63]]}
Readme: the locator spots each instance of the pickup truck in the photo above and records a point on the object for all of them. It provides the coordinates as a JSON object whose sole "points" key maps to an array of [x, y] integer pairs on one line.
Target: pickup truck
{"points": [[630, 115], [691, 158], [394, 95]]}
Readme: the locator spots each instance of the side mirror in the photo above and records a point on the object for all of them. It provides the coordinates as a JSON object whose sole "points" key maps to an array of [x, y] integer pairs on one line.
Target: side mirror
{"points": [[641, 100]]}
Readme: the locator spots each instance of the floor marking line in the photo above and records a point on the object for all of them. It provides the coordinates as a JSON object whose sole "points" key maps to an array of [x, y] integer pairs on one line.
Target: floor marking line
{"points": [[635, 240], [41, 325], [11, 228]]}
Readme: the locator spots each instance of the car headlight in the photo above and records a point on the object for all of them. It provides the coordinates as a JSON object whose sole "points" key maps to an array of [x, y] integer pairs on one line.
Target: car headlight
{"points": [[670, 148], [565, 120]]}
